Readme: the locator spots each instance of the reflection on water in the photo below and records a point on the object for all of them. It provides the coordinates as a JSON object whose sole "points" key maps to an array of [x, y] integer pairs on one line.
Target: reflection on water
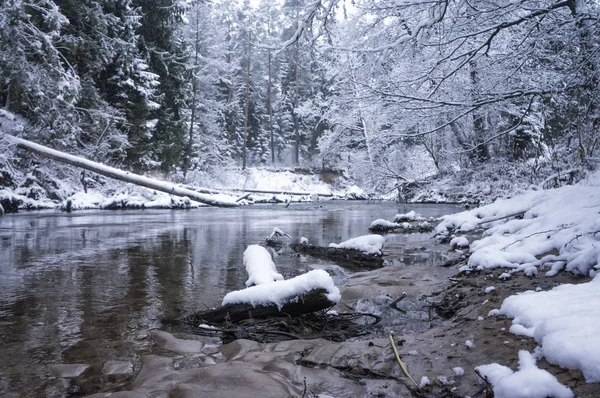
{"points": [[87, 287]]}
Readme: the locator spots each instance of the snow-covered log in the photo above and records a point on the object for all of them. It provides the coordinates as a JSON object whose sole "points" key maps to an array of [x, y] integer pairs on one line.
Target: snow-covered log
{"points": [[121, 175], [312, 301], [310, 292], [327, 195], [350, 258]]}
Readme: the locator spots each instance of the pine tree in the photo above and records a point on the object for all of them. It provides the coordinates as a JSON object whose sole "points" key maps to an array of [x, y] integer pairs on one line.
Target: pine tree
{"points": [[160, 22]]}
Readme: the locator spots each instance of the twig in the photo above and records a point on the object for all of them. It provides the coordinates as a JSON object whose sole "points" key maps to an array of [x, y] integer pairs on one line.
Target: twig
{"points": [[521, 213], [593, 233], [486, 381], [529, 236], [393, 304], [304, 391], [401, 363]]}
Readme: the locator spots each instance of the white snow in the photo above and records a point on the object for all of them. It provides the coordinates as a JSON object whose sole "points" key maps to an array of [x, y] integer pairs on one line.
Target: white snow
{"points": [[369, 244], [558, 230], [469, 344], [410, 216], [380, 222], [304, 240], [265, 179], [528, 382], [277, 234], [260, 266], [207, 327], [489, 289], [459, 242], [424, 381], [458, 371], [279, 292], [444, 380], [564, 321]]}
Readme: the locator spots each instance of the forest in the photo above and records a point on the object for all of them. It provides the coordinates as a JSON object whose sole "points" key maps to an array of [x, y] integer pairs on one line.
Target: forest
{"points": [[383, 89]]}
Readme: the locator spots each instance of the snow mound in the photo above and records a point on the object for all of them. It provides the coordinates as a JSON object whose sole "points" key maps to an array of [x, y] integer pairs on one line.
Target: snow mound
{"points": [[565, 323], [528, 382], [260, 266], [552, 229], [460, 242], [280, 291], [369, 244]]}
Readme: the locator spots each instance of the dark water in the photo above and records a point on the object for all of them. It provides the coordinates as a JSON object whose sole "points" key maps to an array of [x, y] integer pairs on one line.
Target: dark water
{"points": [[87, 287]]}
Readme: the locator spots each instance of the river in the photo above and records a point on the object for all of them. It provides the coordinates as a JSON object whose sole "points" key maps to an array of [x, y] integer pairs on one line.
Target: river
{"points": [[88, 286]]}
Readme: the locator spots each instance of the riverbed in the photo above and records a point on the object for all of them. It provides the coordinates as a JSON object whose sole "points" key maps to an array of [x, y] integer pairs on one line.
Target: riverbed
{"points": [[88, 287]]}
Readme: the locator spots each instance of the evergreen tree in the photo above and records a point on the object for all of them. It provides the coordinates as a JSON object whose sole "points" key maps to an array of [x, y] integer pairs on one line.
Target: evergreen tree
{"points": [[161, 20]]}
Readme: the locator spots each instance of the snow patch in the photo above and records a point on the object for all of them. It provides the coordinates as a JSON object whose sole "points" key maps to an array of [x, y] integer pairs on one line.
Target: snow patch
{"points": [[564, 322], [528, 382]]}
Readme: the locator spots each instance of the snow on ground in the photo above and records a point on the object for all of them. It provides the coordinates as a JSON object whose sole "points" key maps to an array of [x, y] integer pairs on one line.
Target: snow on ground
{"points": [[264, 179], [547, 230], [369, 244], [280, 291], [559, 229], [260, 266], [139, 198], [528, 382], [564, 321], [116, 195]]}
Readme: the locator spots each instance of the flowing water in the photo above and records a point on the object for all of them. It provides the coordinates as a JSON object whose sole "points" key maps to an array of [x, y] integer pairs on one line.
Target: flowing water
{"points": [[86, 287]]}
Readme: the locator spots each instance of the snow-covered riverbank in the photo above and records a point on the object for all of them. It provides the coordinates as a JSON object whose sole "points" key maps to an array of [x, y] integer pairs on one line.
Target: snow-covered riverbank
{"points": [[40, 190], [534, 233]]}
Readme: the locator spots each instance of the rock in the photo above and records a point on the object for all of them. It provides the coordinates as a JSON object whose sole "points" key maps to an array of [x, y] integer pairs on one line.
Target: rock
{"points": [[169, 342], [68, 370], [117, 367]]}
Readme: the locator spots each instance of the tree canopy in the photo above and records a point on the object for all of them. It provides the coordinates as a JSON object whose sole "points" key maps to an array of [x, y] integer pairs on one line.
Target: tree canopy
{"points": [[183, 86]]}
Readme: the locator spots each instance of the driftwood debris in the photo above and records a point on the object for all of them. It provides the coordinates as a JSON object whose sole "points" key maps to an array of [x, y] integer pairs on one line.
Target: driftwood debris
{"points": [[315, 325], [312, 301], [345, 257], [121, 175]]}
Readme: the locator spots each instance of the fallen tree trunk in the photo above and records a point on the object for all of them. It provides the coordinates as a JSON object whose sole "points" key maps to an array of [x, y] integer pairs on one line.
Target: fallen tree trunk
{"points": [[327, 195], [120, 175], [314, 300], [350, 258]]}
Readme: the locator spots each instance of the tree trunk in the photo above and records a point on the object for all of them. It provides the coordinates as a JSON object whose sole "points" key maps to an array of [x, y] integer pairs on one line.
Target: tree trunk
{"points": [[296, 128], [270, 108], [312, 301], [120, 174], [190, 144], [328, 195], [349, 258], [246, 110], [481, 150]]}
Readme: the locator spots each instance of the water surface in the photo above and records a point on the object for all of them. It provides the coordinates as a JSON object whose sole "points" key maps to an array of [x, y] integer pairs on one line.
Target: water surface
{"points": [[87, 287]]}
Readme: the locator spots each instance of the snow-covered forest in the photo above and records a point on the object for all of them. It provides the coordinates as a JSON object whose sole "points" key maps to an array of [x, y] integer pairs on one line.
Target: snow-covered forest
{"points": [[389, 90]]}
